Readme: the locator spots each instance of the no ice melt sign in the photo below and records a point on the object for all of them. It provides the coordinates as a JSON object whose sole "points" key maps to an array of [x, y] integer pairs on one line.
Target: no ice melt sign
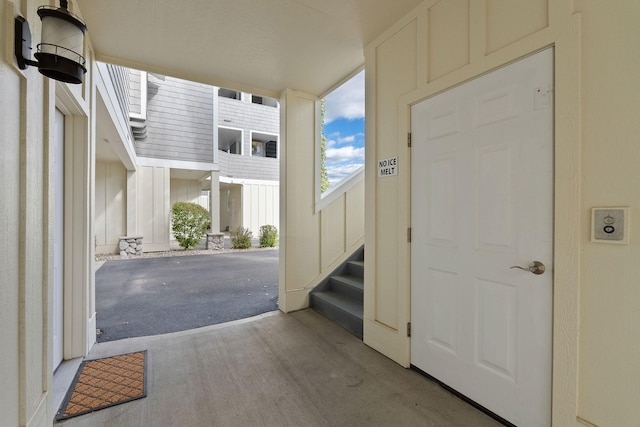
{"points": [[388, 167]]}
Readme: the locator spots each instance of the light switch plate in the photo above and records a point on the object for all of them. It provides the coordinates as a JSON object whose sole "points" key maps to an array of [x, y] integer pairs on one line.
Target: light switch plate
{"points": [[610, 225]]}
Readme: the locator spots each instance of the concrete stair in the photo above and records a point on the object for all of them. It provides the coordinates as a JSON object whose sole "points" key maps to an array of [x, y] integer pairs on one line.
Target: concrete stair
{"points": [[340, 296]]}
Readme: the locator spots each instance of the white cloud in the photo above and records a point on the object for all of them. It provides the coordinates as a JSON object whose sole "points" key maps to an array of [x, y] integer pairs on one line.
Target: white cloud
{"points": [[344, 154], [336, 139], [347, 101], [338, 173], [347, 139]]}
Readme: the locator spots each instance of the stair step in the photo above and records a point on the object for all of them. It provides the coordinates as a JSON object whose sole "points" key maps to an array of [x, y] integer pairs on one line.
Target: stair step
{"points": [[342, 309], [356, 268], [340, 295], [348, 285]]}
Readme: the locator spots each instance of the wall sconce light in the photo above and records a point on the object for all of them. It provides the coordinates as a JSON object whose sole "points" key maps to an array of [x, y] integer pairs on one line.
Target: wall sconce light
{"points": [[59, 54]]}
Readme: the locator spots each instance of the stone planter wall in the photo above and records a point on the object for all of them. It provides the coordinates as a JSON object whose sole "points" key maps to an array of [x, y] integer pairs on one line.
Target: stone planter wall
{"points": [[130, 246], [215, 241]]}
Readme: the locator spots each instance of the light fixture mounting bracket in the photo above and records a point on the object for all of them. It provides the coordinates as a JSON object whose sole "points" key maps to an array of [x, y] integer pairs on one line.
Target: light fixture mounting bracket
{"points": [[22, 48]]}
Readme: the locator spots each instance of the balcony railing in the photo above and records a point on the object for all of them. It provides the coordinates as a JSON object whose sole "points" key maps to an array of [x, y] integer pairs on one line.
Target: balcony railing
{"points": [[248, 167]]}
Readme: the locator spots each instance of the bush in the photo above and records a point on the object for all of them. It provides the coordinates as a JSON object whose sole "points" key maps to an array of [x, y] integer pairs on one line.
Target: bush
{"points": [[189, 222], [268, 236], [241, 238]]}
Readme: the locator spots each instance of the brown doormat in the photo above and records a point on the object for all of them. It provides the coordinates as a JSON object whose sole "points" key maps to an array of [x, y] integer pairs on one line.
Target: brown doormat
{"points": [[106, 382]]}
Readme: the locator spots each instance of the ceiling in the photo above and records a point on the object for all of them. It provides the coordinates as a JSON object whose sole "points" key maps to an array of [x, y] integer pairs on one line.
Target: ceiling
{"points": [[259, 46]]}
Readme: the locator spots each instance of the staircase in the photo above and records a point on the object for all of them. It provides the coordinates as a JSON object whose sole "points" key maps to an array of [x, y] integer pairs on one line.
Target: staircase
{"points": [[340, 296]]}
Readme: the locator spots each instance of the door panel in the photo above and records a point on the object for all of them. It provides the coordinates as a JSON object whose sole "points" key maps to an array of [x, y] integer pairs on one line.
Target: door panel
{"points": [[496, 342], [443, 310], [441, 218], [482, 201]]}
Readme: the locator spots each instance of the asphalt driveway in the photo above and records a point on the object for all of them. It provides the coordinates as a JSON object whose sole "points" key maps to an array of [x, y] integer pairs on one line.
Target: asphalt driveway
{"points": [[152, 296]]}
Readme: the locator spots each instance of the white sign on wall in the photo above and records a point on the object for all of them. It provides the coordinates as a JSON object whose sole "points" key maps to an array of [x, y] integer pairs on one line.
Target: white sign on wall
{"points": [[388, 167]]}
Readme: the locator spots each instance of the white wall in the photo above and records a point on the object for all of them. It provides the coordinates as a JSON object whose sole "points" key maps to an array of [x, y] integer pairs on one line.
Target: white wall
{"points": [[312, 244], [230, 206], [596, 292], [185, 190], [28, 103], [153, 207], [609, 352], [260, 205], [249, 204], [111, 205], [10, 213]]}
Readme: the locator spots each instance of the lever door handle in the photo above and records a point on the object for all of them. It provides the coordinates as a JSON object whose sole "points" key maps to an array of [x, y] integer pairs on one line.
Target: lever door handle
{"points": [[535, 267]]}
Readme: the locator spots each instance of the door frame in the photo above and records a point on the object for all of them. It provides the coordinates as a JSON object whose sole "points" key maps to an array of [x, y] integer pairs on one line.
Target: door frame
{"points": [[54, 189], [79, 278], [567, 207]]}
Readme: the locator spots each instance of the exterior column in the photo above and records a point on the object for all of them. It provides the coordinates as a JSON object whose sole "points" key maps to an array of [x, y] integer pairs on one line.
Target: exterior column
{"points": [[214, 202], [132, 203]]}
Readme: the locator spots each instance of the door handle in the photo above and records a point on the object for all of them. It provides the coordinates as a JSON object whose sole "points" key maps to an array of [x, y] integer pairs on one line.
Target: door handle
{"points": [[535, 267]]}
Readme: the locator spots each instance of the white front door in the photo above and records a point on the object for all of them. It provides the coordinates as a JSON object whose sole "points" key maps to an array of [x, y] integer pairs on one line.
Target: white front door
{"points": [[58, 245], [482, 202]]}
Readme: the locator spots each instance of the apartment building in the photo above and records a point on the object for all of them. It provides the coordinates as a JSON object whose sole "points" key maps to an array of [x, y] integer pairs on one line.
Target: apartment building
{"points": [[193, 143]]}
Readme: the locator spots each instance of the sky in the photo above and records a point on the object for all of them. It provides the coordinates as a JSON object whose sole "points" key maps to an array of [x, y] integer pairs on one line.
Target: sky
{"points": [[344, 129]]}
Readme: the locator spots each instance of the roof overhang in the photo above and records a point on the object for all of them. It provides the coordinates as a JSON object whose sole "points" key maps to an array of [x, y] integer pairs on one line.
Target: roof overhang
{"points": [[259, 46]]}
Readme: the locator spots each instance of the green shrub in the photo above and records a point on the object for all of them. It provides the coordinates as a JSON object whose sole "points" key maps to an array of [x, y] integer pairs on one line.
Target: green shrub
{"points": [[268, 236], [241, 238], [189, 222]]}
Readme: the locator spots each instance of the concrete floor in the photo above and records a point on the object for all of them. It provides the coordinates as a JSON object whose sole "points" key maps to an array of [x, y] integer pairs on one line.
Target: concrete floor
{"points": [[297, 369]]}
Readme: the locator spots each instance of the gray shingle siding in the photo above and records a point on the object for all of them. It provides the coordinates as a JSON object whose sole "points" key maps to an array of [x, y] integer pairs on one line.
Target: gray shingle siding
{"points": [[135, 94], [246, 167], [179, 121], [251, 117], [120, 80]]}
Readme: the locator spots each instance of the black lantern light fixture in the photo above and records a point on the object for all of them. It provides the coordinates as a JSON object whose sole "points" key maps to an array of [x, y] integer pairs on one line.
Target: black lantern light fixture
{"points": [[59, 54]]}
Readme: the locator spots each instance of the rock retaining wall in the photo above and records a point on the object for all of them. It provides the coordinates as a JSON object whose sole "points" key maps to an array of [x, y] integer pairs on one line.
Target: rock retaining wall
{"points": [[130, 246], [215, 241]]}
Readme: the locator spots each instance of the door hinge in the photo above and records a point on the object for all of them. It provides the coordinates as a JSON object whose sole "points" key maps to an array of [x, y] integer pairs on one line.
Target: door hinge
{"points": [[409, 139], [409, 234], [409, 329]]}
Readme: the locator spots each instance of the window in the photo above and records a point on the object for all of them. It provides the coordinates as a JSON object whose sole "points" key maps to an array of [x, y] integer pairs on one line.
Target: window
{"points": [[342, 133], [263, 100], [230, 140], [264, 145], [228, 93]]}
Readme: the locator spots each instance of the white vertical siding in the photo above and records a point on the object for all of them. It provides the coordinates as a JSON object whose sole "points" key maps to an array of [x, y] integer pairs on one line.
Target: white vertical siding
{"points": [[260, 206], [185, 190], [230, 206], [153, 207], [110, 206]]}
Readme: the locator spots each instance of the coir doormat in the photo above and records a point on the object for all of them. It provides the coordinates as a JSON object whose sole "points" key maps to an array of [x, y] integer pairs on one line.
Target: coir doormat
{"points": [[106, 382]]}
